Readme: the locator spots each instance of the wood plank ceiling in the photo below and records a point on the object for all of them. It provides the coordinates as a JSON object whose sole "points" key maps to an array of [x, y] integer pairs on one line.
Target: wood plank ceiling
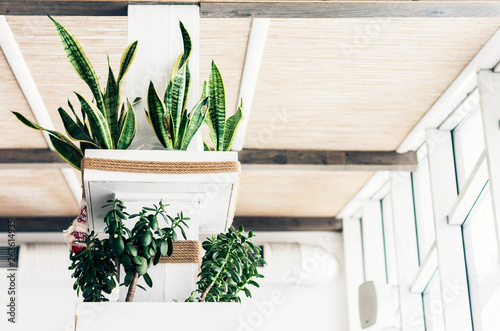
{"points": [[321, 86]]}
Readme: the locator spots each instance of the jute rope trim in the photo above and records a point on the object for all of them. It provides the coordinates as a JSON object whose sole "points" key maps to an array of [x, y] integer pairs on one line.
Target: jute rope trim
{"points": [[159, 167], [185, 251]]}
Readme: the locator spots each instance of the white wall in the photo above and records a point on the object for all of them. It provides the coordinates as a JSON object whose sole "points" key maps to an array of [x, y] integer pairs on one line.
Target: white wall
{"points": [[46, 300], [292, 305]]}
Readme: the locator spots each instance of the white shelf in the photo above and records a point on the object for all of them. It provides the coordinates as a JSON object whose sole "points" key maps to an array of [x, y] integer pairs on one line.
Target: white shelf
{"points": [[209, 199]]}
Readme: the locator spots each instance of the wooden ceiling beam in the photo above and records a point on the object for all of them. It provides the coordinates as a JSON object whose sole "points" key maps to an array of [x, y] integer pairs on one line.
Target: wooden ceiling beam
{"points": [[258, 158], [288, 223], [57, 224], [265, 9]]}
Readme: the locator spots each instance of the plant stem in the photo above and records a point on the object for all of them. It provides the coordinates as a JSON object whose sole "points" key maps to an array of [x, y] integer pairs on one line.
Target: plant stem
{"points": [[132, 287]]}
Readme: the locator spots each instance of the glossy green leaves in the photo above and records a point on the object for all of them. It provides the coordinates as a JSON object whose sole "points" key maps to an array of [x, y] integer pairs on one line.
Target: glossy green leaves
{"points": [[104, 124], [228, 267], [142, 246]]}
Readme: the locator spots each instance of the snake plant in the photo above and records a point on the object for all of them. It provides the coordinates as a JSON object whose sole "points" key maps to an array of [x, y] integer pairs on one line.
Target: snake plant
{"points": [[222, 131], [173, 125], [105, 122]]}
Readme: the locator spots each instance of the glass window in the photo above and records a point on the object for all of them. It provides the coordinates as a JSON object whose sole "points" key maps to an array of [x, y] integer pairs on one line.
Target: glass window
{"points": [[433, 305], [423, 208], [390, 250], [468, 144], [483, 268]]}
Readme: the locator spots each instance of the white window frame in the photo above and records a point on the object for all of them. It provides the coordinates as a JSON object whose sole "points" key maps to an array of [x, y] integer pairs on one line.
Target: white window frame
{"points": [[450, 249]]}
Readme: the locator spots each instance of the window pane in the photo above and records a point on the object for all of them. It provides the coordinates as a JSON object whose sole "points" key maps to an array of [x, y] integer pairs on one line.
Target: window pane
{"points": [[482, 264], [423, 208], [433, 305], [468, 144], [390, 251]]}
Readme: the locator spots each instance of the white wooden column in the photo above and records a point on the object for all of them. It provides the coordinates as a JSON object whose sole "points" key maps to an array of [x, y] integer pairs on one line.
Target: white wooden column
{"points": [[354, 270], [373, 241], [450, 249], [405, 238], [156, 27], [489, 97]]}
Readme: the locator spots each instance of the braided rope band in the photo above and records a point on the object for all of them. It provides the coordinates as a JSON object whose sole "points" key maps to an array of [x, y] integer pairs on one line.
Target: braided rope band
{"points": [[160, 167], [185, 251]]}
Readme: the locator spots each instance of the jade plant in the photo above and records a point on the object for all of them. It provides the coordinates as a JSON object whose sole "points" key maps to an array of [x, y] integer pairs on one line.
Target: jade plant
{"points": [[96, 265], [173, 125], [105, 123], [145, 244], [94, 270], [228, 267]]}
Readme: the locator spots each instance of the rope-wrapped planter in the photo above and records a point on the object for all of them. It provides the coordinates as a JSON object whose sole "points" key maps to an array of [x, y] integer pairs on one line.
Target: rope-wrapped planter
{"points": [[185, 251], [210, 180], [158, 167]]}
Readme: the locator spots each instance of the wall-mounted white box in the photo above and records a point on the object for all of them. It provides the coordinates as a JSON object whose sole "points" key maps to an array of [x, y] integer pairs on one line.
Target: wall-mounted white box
{"points": [[208, 198]]}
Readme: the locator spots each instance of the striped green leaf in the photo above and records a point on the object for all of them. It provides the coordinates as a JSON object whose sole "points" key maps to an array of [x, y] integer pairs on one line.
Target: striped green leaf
{"points": [[186, 40], [80, 62], [182, 129], [156, 113], [179, 89], [98, 125], [217, 105], [68, 151], [78, 121], [205, 147], [112, 101], [127, 128], [126, 60], [196, 118], [32, 125], [73, 130], [232, 124], [62, 145]]}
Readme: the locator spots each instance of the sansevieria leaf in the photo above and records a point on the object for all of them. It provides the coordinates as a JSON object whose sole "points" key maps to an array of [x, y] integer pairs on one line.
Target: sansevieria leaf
{"points": [[232, 124], [217, 105], [32, 125], [78, 121], [112, 101], [127, 129], [67, 150], [62, 145], [156, 113], [196, 118], [126, 60], [73, 130], [80, 62], [179, 89], [186, 40], [97, 122]]}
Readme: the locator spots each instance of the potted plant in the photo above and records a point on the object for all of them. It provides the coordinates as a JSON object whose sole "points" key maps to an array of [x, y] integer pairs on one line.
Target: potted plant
{"points": [[96, 265], [106, 122]]}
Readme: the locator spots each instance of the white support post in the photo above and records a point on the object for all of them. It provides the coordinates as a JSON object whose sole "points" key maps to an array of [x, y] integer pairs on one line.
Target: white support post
{"points": [[253, 59], [354, 270], [156, 27], [405, 237], [373, 241], [489, 96], [450, 249], [27, 84]]}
